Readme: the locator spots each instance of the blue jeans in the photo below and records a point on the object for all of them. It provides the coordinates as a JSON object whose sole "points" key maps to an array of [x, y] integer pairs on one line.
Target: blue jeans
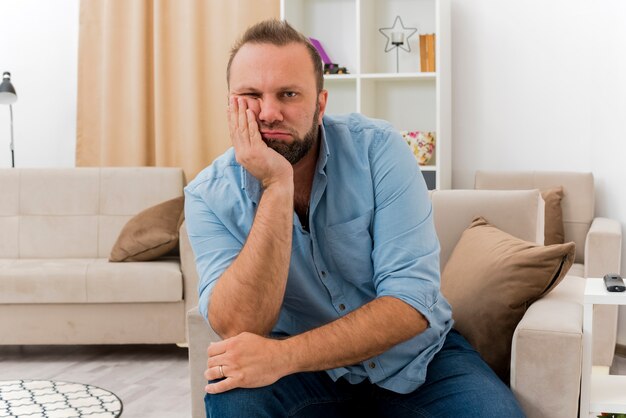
{"points": [[458, 384]]}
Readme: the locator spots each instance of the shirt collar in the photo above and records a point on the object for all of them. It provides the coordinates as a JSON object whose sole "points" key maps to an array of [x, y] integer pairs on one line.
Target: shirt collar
{"points": [[252, 186], [324, 150]]}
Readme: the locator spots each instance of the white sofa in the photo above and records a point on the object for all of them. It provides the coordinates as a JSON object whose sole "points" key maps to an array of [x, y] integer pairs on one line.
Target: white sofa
{"points": [[546, 347], [57, 228]]}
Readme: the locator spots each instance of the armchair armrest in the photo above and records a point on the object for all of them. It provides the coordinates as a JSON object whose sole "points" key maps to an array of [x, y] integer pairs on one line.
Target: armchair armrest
{"points": [[603, 251], [188, 267], [603, 248], [547, 353], [199, 336]]}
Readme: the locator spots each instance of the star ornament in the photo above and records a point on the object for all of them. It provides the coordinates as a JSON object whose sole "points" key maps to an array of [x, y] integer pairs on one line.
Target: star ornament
{"points": [[398, 28]]}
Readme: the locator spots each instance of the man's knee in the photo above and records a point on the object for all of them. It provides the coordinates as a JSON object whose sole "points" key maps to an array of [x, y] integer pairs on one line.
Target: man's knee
{"points": [[301, 395], [459, 380], [257, 402], [492, 399]]}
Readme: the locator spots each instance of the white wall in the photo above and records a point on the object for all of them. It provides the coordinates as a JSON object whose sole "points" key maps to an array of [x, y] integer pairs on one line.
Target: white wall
{"points": [[39, 46], [541, 85], [536, 85]]}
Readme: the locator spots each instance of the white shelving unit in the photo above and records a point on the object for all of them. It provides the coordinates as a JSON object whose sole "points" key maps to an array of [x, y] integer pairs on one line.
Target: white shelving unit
{"points": [[410, 99], [599, 393]]}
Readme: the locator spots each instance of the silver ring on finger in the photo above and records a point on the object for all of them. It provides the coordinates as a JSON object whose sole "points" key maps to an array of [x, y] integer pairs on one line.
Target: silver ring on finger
{"points": [[222, 371]]}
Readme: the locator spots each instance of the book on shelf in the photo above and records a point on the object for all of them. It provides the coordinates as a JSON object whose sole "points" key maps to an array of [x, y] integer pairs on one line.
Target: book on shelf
{"points": [[427, 52]]}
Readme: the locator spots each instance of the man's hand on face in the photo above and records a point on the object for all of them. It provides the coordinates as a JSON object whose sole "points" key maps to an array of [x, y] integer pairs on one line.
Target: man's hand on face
{"points": [[268, 166], [247, 361]]}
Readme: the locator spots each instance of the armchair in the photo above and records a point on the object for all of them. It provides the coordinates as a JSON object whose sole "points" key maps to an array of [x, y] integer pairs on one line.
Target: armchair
{"points": [[598, 251], [598, 240], [546, 357]]}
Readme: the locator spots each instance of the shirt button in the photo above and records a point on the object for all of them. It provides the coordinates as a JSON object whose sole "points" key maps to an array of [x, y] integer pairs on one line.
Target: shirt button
{"points": [[342, 307], [372, 365], [323, 273]]}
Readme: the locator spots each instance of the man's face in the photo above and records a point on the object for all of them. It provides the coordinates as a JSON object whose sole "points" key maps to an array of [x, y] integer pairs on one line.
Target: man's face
{"points": [[278, 83]]}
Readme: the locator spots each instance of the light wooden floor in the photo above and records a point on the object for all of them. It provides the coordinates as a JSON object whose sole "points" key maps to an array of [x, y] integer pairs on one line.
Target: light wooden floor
{"points": [[151, 380]]}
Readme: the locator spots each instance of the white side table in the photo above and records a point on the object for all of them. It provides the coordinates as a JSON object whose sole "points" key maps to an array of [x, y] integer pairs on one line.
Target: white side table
{"points": [[599, 393]]}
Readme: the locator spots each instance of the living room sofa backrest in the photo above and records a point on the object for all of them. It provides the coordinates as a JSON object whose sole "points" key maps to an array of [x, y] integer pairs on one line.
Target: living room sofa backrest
{"points": [[577, 203], [76, 212], [518, 212]]}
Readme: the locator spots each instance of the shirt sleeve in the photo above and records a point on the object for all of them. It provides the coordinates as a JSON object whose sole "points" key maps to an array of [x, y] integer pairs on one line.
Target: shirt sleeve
{"points": [[406, 249], [214, 246]]}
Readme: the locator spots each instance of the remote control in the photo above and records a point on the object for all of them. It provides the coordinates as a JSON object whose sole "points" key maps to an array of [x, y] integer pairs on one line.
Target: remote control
{"points": [[614, 283]]}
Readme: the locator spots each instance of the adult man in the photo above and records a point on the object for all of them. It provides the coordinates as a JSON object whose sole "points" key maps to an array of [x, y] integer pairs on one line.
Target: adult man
{"points": [[315, 246]]}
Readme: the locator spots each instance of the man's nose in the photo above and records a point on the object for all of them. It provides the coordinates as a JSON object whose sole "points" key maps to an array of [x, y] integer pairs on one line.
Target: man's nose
{"points": [[270, 110]]}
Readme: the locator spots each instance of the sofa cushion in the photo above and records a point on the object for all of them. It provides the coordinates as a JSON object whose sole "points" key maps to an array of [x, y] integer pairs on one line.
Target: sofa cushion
{"points": [[9, 238], [519, 212], [554, 233], [59, 191], [490, 280], [578, 198], [76, 212], [577, 269], [571, 288], [58, 236], [154, 281], [129, 190], [89, 281], [151, 233], [43, 280], [10, 186]]}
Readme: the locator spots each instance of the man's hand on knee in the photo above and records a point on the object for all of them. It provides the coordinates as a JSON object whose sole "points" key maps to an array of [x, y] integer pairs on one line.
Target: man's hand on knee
{"points": [[244, 361]]}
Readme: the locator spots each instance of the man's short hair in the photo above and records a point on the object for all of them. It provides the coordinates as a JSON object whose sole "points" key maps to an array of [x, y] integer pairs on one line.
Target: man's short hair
{"points": [[279, 33]]}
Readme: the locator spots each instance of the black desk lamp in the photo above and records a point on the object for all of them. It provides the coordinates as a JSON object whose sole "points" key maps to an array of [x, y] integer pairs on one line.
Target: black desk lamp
{"points": [[8, 96]]}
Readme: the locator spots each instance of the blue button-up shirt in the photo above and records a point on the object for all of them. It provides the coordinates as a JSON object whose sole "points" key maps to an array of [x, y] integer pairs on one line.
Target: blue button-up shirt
{"points": [[371, 235]]}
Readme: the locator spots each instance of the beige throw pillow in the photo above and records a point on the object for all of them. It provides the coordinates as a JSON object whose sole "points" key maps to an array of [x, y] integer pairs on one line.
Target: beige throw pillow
{"points": [[490, 280], [554, 231], [151, 233]]}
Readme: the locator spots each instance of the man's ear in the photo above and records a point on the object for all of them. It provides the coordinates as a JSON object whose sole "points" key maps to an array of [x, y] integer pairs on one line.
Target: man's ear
{"points": [[322, 98]]}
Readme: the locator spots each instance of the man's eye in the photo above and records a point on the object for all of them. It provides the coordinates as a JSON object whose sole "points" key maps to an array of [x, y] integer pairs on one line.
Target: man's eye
{"points": [[290, 94]]}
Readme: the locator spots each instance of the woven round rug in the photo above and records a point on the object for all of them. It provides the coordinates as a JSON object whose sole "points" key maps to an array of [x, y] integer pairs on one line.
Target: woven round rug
{"points": [[50, 398]]}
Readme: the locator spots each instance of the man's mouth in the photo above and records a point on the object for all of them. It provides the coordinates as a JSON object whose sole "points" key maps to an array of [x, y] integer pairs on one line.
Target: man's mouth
{"points": [[276, 134]]}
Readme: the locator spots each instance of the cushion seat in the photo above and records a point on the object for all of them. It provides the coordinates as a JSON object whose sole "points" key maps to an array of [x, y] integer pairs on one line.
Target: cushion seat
{"points": [[577, 269], [570, 289], [89, 280], [54, 280]]}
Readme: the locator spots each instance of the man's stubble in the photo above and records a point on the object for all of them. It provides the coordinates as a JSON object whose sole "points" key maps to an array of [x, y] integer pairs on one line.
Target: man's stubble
{"points": [[299, 147]]}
